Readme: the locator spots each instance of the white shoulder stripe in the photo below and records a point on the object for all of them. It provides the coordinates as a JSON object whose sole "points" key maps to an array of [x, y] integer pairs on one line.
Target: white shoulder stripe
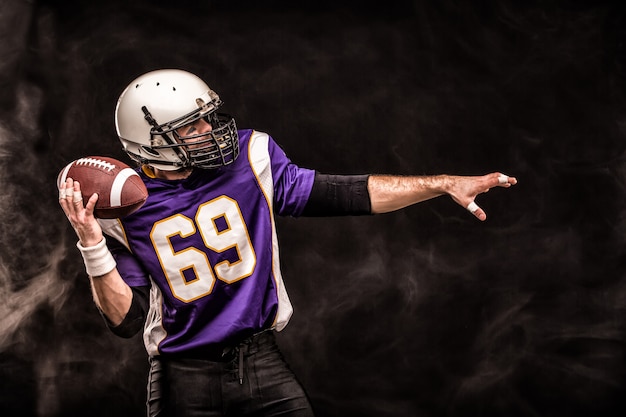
{"points": [[261, 164], [260, 161]]}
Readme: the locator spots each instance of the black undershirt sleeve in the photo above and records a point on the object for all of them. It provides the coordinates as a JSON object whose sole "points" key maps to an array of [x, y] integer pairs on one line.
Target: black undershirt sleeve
{"points": [[338, 195], [135, 318]]}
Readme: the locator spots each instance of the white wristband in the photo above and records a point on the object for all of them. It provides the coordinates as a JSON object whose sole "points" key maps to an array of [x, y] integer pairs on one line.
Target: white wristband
{"points": [[98, 259]]}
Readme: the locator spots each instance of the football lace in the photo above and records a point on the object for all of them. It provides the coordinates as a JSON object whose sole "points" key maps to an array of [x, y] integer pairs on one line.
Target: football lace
{"points": [[96, 163]]}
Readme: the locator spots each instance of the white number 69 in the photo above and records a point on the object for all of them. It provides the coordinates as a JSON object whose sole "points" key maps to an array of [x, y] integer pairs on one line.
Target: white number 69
{"points": [[222, 228]]}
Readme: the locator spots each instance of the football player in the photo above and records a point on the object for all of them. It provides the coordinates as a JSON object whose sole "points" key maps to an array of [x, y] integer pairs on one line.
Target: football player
{"points": [[197, 267]]}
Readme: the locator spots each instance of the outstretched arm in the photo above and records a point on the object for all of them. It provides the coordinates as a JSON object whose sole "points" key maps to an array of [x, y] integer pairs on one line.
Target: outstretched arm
{"points": [[111, 294], [392, 192]]}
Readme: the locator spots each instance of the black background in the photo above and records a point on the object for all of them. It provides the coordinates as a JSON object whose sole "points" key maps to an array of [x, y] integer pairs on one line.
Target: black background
{"points": [[421, 312]]}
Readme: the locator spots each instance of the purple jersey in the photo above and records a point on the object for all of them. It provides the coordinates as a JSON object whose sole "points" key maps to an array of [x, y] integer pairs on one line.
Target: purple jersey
{"points": [[208, 246]]}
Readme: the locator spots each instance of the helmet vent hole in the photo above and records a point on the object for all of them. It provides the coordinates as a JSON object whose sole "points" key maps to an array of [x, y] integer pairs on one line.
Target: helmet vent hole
{"points": [[158, 84], [173, 88]]}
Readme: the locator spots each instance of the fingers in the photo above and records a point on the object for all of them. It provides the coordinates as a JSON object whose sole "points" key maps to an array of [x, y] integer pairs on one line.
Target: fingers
{"points": [[476, 211], [74, 197], [71, 198], [504, 180], [80, 213], [69, 194], [91, 203], [496, 179], [472, 207], [64, 190], [78, 197]]}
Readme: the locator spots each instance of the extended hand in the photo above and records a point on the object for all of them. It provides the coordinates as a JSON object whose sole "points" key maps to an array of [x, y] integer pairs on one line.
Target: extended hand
{"points": [[464, 190]]}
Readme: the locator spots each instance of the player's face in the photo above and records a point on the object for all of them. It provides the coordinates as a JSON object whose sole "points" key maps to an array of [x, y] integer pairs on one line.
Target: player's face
{"points": [[193, 132]]}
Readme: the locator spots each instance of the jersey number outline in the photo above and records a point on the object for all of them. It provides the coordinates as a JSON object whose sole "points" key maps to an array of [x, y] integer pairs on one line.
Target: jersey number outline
{"points": [[222, 227]]}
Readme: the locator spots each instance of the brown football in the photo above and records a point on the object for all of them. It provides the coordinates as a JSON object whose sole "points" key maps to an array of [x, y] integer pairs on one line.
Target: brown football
{"points": [[120, 189]]}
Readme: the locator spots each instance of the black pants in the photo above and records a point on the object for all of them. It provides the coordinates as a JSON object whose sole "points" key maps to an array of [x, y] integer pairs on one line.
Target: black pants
{"points": [[254, 380]]}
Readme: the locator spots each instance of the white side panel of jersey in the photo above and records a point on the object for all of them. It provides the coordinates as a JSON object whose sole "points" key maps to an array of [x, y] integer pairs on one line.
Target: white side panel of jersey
{"points": [[113, 228], [153, 331], [260, 162]]}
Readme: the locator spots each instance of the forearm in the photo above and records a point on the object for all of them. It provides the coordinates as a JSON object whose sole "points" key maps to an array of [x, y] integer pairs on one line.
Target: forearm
{"points": [[110, 293], [112, 296], [393, 192]]}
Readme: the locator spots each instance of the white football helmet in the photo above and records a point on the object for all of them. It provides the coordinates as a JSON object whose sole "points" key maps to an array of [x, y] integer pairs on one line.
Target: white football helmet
{"points": [[156, 104]]}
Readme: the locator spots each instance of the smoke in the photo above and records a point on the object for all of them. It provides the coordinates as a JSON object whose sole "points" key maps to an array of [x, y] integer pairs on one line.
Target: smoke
{"points": [[31, 251], [54, 350], [17, 306], [20, 326]]}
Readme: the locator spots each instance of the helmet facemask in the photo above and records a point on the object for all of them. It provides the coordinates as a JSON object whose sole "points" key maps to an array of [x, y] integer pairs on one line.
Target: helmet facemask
{"points": [[206, 150]]}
